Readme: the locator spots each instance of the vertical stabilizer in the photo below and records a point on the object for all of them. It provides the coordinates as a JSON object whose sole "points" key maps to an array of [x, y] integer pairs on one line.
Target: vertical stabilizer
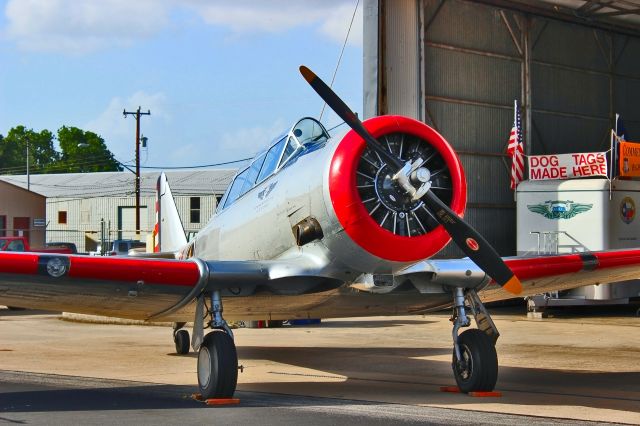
{"points": [[168, 233]]}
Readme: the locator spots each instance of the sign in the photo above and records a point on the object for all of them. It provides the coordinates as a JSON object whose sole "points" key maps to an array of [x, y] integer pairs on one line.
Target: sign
{"points": [[629, 159], [39, 223], [568, 166]]}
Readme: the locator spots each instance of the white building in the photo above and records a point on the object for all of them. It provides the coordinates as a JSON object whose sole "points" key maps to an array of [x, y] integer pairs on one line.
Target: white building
{"points": [[85, 208]]}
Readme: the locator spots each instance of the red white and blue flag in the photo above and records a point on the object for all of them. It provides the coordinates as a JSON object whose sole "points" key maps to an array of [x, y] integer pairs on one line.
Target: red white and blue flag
{"points": [[515, 149]]}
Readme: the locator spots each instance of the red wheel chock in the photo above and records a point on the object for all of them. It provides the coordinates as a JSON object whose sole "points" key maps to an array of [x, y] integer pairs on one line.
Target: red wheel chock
{"points": [[216, 401], [455, 389]]}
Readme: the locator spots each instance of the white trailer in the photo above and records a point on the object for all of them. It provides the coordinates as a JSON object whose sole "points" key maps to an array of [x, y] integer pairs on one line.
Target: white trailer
{"points": [[578, 215]]}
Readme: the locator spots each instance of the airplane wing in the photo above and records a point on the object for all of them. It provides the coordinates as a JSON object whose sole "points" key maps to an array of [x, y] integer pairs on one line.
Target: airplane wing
{"points": [[143, 288], [147, 289], [538, 274]]}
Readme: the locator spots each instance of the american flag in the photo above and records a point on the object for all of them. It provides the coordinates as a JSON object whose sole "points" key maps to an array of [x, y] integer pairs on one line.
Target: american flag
{"points": [[516, 149]]}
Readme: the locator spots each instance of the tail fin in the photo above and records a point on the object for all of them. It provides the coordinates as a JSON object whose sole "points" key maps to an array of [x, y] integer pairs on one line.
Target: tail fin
{"points": [[168, 233]]}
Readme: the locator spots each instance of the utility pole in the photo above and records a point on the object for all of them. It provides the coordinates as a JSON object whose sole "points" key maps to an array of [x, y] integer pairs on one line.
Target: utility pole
{"points": [[137, 113], [28, 175]]}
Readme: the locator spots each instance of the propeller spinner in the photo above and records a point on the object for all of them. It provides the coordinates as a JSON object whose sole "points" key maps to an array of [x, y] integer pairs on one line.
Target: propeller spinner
{"points": [[408, 175]]}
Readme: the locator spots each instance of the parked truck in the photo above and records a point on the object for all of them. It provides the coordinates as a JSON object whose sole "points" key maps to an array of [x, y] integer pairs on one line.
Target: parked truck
{"points": [[22, 244]]}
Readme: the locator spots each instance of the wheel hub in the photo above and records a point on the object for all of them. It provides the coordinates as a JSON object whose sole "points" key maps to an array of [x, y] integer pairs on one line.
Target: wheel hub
{"points": [[204, 367], [464, 366]]}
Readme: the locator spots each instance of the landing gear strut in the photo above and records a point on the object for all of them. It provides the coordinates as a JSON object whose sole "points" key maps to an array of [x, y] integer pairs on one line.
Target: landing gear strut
{"points": [[217, 356], [475, 362]]}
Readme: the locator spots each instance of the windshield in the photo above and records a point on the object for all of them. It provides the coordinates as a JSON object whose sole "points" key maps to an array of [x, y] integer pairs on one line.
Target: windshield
{"points": [[306, 136], [309, 130]]}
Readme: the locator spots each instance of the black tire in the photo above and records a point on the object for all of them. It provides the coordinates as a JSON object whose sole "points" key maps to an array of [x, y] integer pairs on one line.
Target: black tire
{"points": [[217, 366], [181, 339], [479, 370]]}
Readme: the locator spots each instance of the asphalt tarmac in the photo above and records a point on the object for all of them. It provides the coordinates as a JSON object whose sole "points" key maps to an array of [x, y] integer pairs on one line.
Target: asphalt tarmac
{"points": [[571, 369], [27, 398]]}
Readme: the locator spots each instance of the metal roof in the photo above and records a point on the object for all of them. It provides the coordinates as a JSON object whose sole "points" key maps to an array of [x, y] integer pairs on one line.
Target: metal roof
{"points": [[616, 15], [121, 184]]}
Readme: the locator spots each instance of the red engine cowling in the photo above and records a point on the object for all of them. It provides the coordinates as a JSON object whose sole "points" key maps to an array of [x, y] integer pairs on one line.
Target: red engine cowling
{"points": [[374, 212]]}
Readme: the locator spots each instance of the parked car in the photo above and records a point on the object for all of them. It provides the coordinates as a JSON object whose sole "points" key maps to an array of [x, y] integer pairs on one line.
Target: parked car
{"points": [[122, 247], [70, 246], [119, 248], [22, 244]]}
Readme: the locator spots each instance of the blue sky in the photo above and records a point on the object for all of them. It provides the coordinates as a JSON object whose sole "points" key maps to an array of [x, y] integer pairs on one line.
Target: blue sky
{"points": [[220, 77]]}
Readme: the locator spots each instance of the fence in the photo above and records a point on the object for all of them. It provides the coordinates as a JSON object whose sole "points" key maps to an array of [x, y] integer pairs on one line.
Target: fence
{"points": [[88, 240], [95, 241]]}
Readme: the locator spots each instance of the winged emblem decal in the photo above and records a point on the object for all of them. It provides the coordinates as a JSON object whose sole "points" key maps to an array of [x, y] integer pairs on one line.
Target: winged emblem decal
{"points": [[559, 209], [267, 190]]}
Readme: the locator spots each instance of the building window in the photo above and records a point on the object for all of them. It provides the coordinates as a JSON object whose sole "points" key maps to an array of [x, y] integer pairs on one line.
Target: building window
{"points": [[194, 208], [62, 217], [3, 226], [85, 217], [218, 199]]}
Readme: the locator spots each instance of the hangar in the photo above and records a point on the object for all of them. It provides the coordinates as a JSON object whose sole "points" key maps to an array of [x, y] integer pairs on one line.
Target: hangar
{"points": [[459, 65], [84, 208]]}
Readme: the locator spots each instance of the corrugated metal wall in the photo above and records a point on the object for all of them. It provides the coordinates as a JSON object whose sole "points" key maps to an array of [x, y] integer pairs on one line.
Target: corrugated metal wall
{"points": [[475, 59], [84, 215], [473, 72]]}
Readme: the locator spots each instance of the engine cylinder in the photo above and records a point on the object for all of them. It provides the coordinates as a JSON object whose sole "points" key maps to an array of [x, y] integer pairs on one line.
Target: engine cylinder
{"points": [[374, 211]]}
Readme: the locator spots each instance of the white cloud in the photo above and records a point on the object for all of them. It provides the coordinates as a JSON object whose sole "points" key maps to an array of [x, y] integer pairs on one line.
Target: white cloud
{"points": [[337, 21], [73, 26], [81, 26], [257, 16], [119, 132]]}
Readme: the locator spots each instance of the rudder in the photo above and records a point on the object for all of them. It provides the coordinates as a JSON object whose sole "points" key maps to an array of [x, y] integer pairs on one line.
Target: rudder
{"points": [[168, 232]]}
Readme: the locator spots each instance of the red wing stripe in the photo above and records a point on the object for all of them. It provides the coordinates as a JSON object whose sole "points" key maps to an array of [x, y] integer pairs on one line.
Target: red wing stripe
{"points": [[545, 266], [171, 272], [117, 269], [19, 263]]}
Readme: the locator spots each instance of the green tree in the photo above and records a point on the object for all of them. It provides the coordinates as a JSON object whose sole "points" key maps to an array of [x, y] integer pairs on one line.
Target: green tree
{"points": [[84, 151], [13, 151]]}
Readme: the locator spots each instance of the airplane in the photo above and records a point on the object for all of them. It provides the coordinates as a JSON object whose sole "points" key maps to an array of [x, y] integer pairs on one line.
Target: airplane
{"points": [[316, 227]]}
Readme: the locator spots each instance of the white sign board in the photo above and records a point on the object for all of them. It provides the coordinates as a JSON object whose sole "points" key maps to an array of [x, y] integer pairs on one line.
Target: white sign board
{"points": [[567, 166]]}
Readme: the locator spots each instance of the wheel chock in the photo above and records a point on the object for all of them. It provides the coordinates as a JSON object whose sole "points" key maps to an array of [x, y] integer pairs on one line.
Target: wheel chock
{"points": [[215, 401], [455, 389], [222, 401], [496, 394]]}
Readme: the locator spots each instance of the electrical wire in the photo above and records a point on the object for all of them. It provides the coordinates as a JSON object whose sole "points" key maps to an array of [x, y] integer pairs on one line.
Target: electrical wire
{"points": [[341, 53], [191, 167]]}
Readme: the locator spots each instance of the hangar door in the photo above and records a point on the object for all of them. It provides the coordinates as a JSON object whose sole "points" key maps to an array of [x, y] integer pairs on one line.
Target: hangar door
{"points": [[471, 60]]}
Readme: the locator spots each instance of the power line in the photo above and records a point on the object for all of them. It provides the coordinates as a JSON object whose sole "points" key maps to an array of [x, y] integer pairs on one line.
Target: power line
{"points": [[62, 164], [193, 167], [341, 53]]}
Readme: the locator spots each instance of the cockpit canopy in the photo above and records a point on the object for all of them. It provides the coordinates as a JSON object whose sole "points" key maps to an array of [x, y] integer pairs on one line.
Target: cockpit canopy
{"points": [[305, 136]]}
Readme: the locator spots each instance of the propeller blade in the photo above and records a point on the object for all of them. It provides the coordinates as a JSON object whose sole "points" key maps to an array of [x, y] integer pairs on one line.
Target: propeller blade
{"points": [[464, 235], [349, 117], [473, 244]]}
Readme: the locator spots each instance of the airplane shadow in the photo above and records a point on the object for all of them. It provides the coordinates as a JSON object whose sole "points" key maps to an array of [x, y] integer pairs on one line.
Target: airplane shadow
{"points": [[372, 324], [377, 368], [378, 373]]}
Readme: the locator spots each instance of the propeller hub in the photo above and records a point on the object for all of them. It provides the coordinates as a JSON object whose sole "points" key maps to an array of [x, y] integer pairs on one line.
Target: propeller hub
{"points": [[420, 176], [391, 194], [387, 201]]}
